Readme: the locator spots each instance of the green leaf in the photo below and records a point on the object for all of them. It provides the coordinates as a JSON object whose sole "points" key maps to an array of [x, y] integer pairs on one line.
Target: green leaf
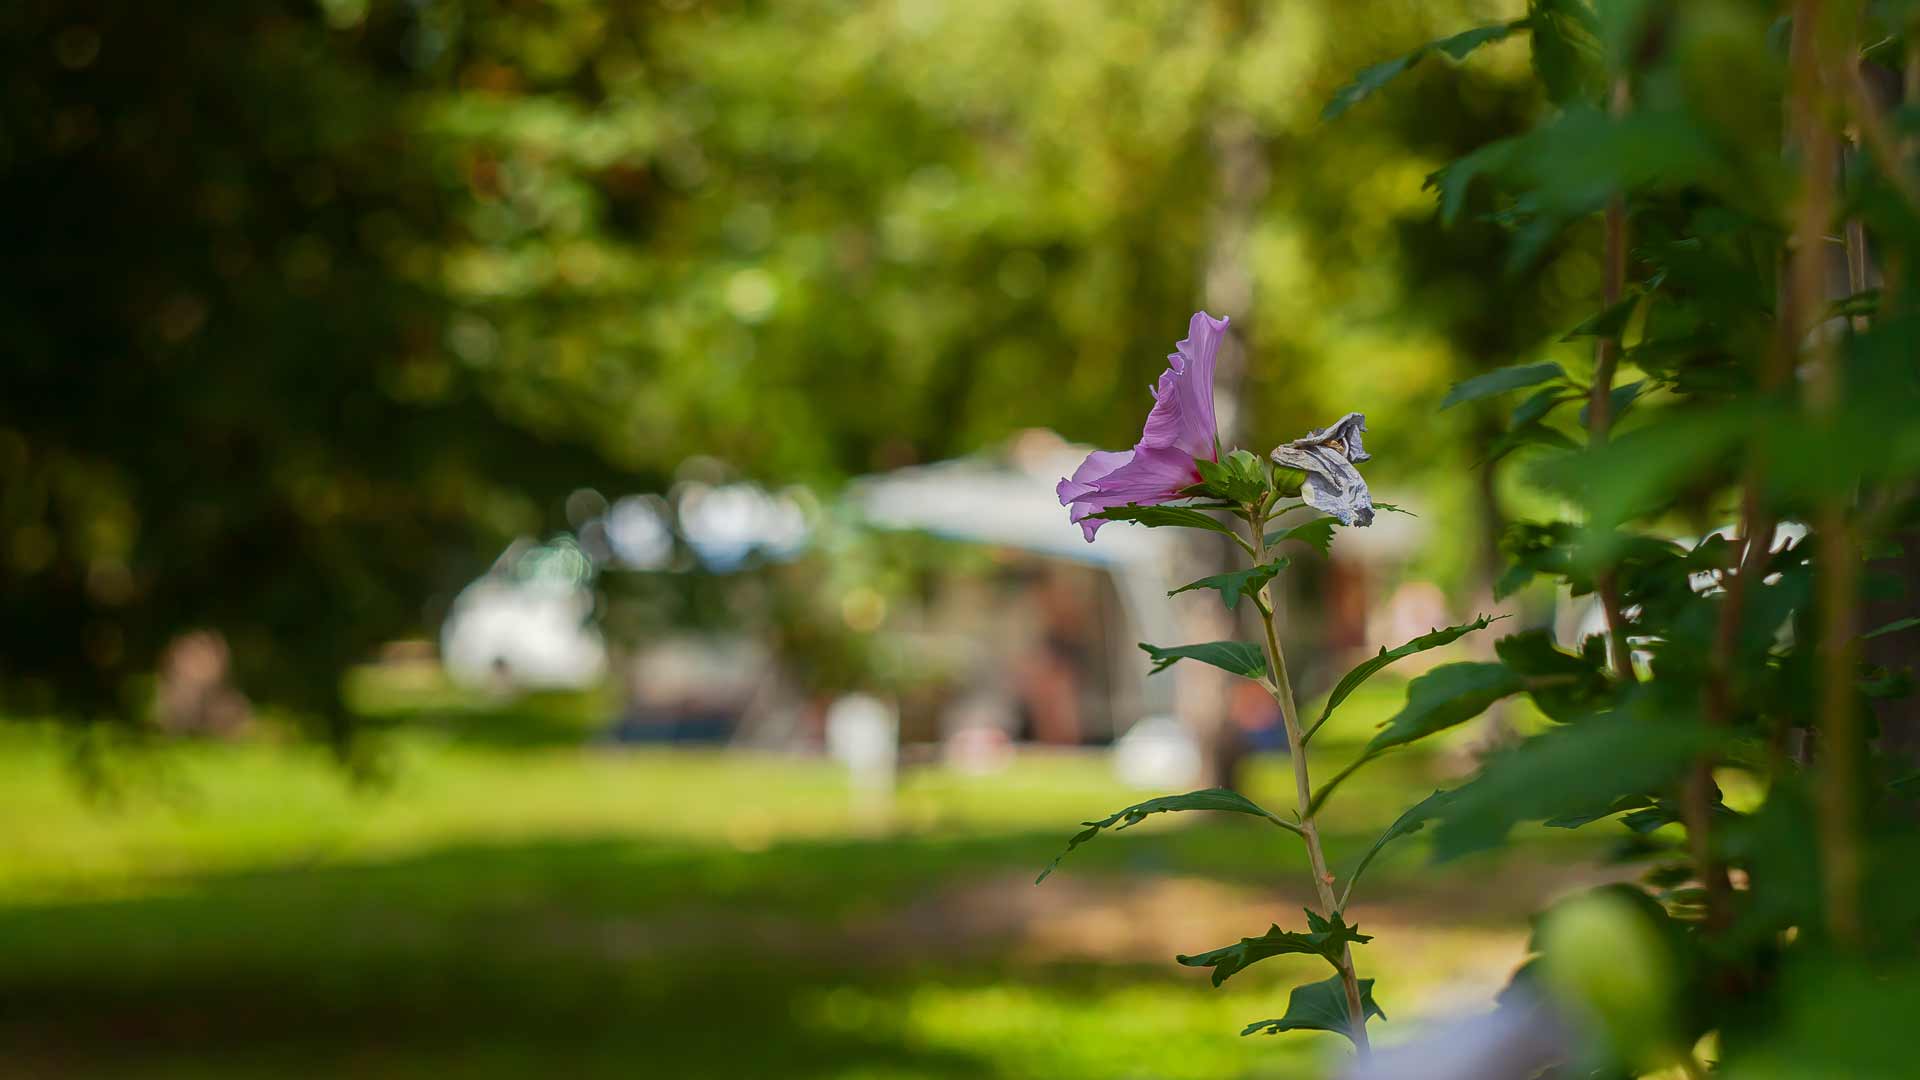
{"points": [[1569, 772], [1567, 55], [1865, 303], [1619, 400], [1566, 687], [1320, 1006], [1501, 381], [1208, 799], [1327, 788], [1371, 666], [1370, 79], [1392, 509], [1539, 404], [1453, 182], [1579, 818], [1880, 684], [1643, 470], [1232, 479], [1608, 323], [1893, 627], [1534, 434], [1236, 584], [1316, 533], [1237, 657], [1536, 549], [1324, 938], [1249, 472], [1653, 818], [1179, 517], [1448, 695], [1406, 824]]}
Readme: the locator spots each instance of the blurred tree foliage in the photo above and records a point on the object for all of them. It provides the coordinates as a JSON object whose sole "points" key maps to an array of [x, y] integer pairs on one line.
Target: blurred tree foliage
{"points": [[311, 305]]}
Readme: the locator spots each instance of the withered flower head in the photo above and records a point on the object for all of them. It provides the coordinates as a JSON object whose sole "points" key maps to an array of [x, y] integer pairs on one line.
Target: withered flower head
{"points": [[1328, 457]]}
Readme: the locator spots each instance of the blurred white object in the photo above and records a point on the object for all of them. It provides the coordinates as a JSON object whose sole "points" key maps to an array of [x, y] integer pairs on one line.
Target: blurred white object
{"points": [[639, 533], [726, 524], [863, 733], [526, 624], [1513, 1042], [1158, 752]]}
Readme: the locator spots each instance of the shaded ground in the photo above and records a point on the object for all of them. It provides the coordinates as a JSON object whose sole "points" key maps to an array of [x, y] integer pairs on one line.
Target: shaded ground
{"points": [[574, 913]]}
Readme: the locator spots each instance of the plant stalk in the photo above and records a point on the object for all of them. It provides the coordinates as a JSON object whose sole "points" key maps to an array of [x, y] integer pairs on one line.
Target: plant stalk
{"points": [[1818, 35], [1282, 688], [1606, 357]]}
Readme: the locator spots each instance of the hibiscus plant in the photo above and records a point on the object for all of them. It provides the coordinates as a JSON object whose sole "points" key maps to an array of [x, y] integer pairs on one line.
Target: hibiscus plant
{"points": [[1178, 476], [1725, 449]]}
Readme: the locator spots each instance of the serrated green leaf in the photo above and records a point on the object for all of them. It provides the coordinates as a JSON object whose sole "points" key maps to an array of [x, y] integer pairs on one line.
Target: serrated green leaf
{"points": [[1374, 664], [1237, 657], [1324, 938], [1406, 824], [1179, 517], [1369, 80], [1320, 1006], [1219, 799], [1501, 381], [1317, 533], [1448, 695], [1236, 584]]}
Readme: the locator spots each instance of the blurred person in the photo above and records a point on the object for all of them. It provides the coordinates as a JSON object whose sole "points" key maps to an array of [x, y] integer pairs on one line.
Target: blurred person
{"points": [[196, 695]]}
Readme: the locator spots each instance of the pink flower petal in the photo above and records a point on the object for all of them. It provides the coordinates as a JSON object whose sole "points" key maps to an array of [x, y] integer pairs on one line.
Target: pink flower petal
{"points": [[1182, 413]]}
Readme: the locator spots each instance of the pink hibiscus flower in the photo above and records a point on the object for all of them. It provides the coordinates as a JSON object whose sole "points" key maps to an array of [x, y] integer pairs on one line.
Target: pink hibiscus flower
{"points": [[1179, 430]]}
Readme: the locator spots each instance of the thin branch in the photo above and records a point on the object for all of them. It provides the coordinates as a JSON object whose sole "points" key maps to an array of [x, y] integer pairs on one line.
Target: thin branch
{"points": [[1872, 126], [1606, 357]]}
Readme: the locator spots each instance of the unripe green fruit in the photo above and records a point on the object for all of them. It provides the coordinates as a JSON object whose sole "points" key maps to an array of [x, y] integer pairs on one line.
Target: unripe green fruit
{"points": [[1604, 960]]}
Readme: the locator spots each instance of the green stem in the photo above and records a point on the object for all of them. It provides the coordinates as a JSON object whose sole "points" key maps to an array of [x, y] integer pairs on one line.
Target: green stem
{"points": [[1282, 688]]}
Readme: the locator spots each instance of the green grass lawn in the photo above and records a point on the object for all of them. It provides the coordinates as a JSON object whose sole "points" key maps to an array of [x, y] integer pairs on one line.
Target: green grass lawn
{"points": [[491, 909]]}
